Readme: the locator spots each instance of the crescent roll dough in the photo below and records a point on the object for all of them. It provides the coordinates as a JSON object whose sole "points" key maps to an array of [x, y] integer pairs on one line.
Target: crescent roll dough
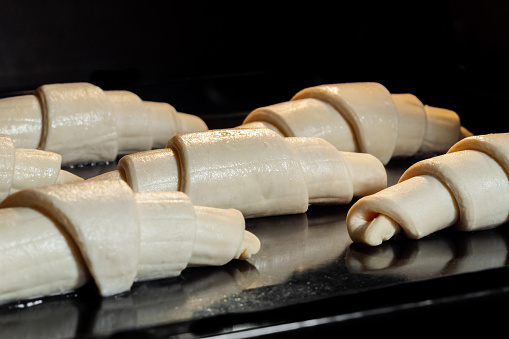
{"points": [[54, 239], [363, 117], [84, 124], [255, 171], [22, 168], [468, 187]]}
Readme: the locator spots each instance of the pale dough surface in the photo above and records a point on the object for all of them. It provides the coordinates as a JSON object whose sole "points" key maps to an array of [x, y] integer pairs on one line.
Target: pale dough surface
{"points": [[85, 124], [22, 168], [363, 117], [254, 170], [132, 121], [468, 188], [21, 118], [110, 250], [56, 238], [77, 123]]}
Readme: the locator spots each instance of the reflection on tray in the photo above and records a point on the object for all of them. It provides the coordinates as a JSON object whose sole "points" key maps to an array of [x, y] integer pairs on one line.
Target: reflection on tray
{"points": [[148, 304], [295, 243], [290, 244], [441, 254]]}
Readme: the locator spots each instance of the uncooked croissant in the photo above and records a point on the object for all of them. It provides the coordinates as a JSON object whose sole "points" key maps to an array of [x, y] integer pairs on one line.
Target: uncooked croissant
{"points": [[363, 117], [24, 168], [255, 171], [83, 123], [53, 238], [468, 187]]}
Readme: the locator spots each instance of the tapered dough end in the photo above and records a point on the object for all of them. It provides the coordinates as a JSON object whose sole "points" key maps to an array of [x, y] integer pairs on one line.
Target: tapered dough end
{"points": [[418, 206], [250, 246], [326, 175], [465, 133], [368, 174], [372, 231], [219, 235], [335, 177], [443, 130], [164, 122], [191, 123]]}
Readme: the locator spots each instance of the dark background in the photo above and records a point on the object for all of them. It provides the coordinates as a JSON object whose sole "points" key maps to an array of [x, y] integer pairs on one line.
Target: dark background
{"points": [[219, 59]]}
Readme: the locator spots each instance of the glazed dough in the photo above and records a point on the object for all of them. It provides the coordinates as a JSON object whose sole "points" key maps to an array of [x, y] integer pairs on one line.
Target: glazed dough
{"points": [[165, 122], [294, 118], [255, 171], [363, 117], [77, 122], [7, 161], [218, 228], [22, 168], [131, 137], [149, 171], [21, 118], [53, 239], [468, 187], [85, 124]]}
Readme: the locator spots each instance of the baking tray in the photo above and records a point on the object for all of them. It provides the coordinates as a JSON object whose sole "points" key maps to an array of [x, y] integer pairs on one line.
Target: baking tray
{"points": [[308, 276]]}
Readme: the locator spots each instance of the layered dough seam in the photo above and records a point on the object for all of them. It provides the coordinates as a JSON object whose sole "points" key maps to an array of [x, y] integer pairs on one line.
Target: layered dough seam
{"points": [[85, 124], [363, 117], [468, 187], [54, 239]]}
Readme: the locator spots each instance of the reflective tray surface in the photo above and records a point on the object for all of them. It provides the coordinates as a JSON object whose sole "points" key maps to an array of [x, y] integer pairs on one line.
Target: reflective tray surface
{"points": [[307, 272]]}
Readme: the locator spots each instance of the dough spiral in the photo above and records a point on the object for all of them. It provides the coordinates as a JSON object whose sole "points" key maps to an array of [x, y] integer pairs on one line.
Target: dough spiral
{"points": [[83, 123], [53, 239], [467, 187], [363, 117]]}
